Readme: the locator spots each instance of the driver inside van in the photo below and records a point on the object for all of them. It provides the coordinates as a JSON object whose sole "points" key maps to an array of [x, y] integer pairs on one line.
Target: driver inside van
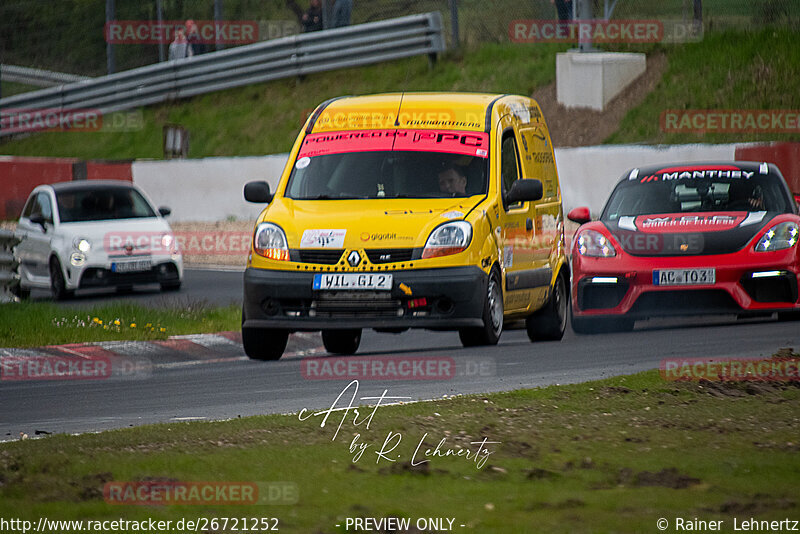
{"points": [[452, 180]]}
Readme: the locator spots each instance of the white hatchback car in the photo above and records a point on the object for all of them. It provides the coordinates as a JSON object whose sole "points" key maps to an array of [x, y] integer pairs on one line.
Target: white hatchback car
{"points": [[97, 233]]}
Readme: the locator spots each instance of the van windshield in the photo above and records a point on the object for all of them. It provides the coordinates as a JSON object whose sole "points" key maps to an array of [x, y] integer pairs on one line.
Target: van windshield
{"points": [[390, 164]]}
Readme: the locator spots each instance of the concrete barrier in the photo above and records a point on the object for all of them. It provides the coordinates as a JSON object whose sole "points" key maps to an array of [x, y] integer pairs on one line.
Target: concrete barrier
{"points": [[209, 189]]}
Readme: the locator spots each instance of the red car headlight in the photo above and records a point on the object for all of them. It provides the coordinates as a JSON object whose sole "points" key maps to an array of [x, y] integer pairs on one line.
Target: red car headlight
{"points": [[779, 237], [594, 244]]}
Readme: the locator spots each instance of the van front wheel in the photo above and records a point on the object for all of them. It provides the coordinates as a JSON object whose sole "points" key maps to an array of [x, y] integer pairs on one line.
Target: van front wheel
{"points": [[549, 323], [343, 342], [264, 343], [489, 333]]}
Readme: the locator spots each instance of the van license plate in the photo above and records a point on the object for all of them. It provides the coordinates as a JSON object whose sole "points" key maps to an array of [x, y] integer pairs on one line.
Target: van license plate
{"points": [[684, 277], [373, 281]]}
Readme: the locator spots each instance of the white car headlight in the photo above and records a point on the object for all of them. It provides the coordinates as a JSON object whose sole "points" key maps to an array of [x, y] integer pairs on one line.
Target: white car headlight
{"points": [[270, 241], [448, 238], [82, 244], [595, 244], [779, 237], [168, 243]]}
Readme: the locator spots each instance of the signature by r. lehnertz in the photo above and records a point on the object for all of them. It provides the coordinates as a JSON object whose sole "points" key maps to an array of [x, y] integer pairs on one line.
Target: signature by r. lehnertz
{"points": [[478, 454]]}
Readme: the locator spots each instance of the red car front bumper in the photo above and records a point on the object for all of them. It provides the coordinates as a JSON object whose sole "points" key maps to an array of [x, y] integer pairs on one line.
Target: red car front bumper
{"points": [[745, 281]]}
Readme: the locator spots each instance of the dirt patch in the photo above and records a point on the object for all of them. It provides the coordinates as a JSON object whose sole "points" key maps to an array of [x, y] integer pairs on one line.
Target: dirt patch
{"points": [[586, 127], [667, 478], [540, 474]]}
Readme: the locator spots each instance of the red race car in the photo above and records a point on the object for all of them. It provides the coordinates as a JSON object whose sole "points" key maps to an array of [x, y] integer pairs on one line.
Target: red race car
{"points": [[684, 239]]}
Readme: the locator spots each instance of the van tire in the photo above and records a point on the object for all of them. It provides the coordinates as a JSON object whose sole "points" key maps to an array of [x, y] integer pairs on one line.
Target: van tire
{"points": [[264, 343], [550, 322], [489, 333], [341, 342]]}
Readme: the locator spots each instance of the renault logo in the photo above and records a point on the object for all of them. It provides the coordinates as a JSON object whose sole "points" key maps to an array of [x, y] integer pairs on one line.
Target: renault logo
{"points": [[354, 258]]}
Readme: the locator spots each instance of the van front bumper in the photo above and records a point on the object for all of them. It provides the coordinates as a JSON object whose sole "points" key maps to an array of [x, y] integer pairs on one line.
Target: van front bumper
{"points": [[440, 299]]}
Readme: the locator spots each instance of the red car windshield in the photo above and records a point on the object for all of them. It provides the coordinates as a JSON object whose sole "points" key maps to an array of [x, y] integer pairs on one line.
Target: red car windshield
{"points": [[648, 195]]}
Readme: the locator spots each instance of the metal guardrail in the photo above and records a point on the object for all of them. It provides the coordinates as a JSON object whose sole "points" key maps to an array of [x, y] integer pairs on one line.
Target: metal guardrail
{"points": [[9, 274], [37, 77], [291, 56]]}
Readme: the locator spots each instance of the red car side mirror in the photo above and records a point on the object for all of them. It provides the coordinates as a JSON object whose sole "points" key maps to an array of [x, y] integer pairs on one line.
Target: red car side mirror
{"points": [[580, 215]]}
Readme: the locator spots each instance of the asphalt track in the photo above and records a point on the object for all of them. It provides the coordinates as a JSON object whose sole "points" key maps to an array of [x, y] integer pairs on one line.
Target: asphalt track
{"points": [[234, 386]]}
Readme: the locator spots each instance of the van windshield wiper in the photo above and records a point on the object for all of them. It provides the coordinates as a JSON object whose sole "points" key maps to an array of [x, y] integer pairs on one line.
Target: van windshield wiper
{"points": [[331, 197]]}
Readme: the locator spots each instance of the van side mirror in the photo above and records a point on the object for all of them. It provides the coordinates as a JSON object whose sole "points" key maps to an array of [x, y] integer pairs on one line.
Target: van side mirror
{"points": [[38, 218], [164, 211], [257, 192], [580, 215], [528, 190]]}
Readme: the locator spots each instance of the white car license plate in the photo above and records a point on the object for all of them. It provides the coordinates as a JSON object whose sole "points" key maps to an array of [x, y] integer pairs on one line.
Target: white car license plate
{"points": [[131, 266], [353, 281], [684, 277]]}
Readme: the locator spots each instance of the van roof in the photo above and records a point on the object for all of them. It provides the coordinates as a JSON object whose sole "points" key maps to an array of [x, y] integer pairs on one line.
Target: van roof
{"points": [[441, 111]]}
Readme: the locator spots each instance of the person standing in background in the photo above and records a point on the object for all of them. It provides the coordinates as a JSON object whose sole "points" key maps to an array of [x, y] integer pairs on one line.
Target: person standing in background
{"points": [[341, 13], [193, 38], [564, 9], [179, 48], [311, 20]]}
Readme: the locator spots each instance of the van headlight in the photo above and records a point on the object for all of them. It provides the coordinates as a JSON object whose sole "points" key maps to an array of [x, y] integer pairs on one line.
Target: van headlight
{"points": [[270, 241], [82, 244], [779, 237], [448, 238]]}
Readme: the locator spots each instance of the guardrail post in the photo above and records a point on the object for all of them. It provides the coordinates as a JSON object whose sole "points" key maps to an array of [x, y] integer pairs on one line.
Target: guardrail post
{"points": [[110, 15], [455, 38], [9, 273], [217, 23]]}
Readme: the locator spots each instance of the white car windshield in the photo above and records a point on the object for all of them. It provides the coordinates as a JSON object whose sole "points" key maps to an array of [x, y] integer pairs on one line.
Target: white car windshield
{"points": [[102, 203]]}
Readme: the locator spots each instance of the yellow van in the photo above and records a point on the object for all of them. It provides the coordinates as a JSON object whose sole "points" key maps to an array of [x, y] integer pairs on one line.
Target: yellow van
{"points": [[397, 211]]}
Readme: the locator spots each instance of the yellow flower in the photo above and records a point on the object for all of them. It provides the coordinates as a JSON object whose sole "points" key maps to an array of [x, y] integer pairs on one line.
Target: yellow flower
{"points": [[116, 322], [96, 320], [133, 325], [163, 329]]}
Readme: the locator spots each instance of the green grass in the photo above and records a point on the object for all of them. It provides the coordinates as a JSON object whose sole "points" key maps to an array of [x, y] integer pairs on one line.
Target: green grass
{"points": [[606, 456], [33, 324], [726, 71], [265, 118], [14, 88]]}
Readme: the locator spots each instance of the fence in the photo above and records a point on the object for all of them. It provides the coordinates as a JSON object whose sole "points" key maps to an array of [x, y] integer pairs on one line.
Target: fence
{"points": [[67, 35], [279, 58], [9, 275]]}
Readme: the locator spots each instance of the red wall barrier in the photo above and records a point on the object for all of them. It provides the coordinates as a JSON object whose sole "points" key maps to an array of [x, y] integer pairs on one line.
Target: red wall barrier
{"points": [[19, 176], [108, 170], [785, 155]]}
